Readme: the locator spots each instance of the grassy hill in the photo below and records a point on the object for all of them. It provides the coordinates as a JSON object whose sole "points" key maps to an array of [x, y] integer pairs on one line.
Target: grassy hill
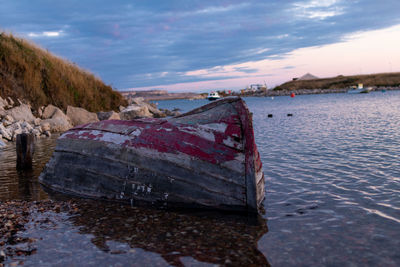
{"points": [[31, 73], [380, 79]]}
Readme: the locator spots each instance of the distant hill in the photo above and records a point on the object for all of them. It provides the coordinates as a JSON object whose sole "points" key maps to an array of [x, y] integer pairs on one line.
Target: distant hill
{"points": [[380, 79], [31, 73], [308, 76]]}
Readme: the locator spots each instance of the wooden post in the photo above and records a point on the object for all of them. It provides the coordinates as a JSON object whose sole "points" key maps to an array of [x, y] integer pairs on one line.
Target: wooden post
{"points": [[25, 150]]}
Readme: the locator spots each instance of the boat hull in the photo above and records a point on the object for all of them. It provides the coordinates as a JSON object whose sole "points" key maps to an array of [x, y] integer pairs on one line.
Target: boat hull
{"points": [[206, 158]]}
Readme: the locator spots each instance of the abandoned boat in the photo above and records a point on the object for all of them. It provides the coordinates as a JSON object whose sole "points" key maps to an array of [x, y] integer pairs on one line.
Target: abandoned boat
{"points": [[205, 158]]}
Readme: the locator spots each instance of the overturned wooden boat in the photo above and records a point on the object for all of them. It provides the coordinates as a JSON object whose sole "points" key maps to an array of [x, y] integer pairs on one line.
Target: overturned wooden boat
{"points": [[204, 158]]}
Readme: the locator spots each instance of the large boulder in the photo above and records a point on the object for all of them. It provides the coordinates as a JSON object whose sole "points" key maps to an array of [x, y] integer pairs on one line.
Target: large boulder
{"points": [[111, 115], [80, 116], [49, 111], [59, 122], [134, 112], [21, 113]]}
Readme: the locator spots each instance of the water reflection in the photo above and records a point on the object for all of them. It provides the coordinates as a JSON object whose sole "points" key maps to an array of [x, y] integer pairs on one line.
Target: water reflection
{"points": [[23, 184], [28, 185], [205, 237], [78, 232]]}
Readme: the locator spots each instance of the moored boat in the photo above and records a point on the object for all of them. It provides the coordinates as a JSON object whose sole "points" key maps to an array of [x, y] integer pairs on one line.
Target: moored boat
{"points": [[205, 158], [213, 96], [360, 89]]}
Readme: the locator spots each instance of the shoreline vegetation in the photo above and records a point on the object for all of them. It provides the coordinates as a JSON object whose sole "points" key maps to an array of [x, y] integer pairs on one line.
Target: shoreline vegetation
{"points": [[31, 73]]}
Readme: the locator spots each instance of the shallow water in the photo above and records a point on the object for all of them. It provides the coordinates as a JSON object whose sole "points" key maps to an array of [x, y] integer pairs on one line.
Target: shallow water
{"points": [[332, 197]]}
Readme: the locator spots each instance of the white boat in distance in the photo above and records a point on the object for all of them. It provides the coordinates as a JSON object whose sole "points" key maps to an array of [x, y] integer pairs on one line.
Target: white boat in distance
{"points": [[359, 90], [213, 96]]}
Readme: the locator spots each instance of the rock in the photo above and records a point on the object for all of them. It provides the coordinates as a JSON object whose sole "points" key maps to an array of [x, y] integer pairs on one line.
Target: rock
{"points": [[2, 143], [59, 122], [40, 111], [45, 126], [27, 126], [10, 102], [36, 132], [134, 111], [3, 104], [16, 132], [49, 111], [37, 121], [79, 116], [111, 115], [8, 120], [22, 112], [121, 108], [156, 112], [170, 113], [39, 128], [137, 101], [6, 134]]}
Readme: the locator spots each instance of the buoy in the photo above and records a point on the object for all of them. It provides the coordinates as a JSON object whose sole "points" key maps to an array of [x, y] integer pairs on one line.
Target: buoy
{"points": [[292, 95], [269, 115]]}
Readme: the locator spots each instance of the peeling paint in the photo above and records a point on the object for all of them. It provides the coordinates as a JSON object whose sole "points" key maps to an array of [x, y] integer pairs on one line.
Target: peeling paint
{"points": [[218, 127], [203, 133], [136, 132]]}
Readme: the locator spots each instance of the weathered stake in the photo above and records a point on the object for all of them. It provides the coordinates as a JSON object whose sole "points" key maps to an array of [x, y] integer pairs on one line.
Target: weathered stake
{"points": [[25, 150]]}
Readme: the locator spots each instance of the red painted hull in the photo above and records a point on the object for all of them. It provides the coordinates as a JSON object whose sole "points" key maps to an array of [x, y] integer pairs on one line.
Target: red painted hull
{"points": [[204, 158]]}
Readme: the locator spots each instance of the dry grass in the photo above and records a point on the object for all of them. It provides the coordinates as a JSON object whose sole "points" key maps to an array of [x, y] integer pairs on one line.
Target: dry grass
{"points": [[380, 79], [31, 73]]}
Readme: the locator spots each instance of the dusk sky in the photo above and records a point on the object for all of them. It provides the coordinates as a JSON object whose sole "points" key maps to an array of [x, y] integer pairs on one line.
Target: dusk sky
{"points": [[207, 45]]}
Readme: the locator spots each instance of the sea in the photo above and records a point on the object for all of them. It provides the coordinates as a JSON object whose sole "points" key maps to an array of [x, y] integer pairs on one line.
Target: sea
{"points": [[332, 170]]}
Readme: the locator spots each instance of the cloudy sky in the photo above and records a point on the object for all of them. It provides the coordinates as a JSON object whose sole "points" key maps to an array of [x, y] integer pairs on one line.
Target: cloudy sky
{"points": [[200, 45]]}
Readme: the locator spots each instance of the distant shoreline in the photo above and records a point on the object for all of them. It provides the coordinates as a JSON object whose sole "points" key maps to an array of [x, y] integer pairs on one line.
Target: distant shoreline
{"points": [[315, 91], [153, 96]]}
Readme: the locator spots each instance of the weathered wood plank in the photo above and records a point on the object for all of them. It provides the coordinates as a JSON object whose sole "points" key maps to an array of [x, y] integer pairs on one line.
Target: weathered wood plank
{"points": [[25, 148], [148, 185]]}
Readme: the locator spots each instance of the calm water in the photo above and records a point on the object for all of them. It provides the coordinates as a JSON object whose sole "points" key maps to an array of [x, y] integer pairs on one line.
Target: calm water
{"points": [[332, 197]]}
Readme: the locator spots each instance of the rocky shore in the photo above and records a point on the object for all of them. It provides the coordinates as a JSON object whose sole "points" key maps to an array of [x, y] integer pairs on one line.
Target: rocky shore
{"points": [[18, 117]]}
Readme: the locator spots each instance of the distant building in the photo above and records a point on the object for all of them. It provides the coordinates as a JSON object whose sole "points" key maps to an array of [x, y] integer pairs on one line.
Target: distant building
{"points": [[257, 87]]}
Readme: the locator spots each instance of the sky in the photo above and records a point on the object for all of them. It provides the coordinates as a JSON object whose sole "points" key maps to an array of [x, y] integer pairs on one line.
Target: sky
{"points": [[202, 45]]}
